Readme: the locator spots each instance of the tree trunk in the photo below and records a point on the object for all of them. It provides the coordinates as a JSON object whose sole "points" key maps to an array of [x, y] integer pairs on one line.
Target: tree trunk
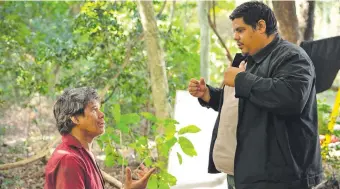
{"points": [[285, 12], [203, 8], [310, 21], [156, 64]]}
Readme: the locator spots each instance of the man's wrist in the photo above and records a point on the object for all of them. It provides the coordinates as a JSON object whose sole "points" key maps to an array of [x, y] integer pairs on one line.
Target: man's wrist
{"points": [[206, 96]]}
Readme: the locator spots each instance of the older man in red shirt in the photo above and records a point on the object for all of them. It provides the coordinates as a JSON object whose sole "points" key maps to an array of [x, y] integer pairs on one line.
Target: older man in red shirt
{"points": [[72, 165]]}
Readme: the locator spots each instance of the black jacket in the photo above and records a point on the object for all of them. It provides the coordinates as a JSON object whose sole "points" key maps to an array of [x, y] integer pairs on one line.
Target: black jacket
{"points": [[325, 54], [277, 135]]}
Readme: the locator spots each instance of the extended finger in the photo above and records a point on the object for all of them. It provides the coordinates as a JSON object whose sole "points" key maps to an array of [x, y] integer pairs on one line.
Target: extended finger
{"points": [[148, 174], [128, 177], [140, 173], [145, 169]]}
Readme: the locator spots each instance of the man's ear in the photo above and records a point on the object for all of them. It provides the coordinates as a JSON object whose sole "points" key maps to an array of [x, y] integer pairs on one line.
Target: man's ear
{"points": [[75, 120], [261, 26]]}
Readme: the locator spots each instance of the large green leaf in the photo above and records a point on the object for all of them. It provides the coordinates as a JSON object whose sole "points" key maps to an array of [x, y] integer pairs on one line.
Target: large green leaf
{"points": [[170, 131], [187, 146], [163, 185], [149, 116], [171, 179], [189, 129], [116, 113], [109, 161], [153, 182], [132, 118], [123, 127], [170, 122], [148, 162], [168, 178], [115, 138], [171, 142], [108, 150], [122, 161]]}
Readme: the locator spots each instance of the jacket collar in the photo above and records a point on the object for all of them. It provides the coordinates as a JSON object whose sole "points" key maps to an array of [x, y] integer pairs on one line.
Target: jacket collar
{"points": [[70, 140]]}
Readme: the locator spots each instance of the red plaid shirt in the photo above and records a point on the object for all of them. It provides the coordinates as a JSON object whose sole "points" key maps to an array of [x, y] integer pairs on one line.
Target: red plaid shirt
{"points": [[72, 167]]}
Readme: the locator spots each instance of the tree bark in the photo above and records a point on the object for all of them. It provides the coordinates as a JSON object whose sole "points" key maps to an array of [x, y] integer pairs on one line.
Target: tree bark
{"points": [[310, 21], [203, 10], [285, 12], [156, 64]]}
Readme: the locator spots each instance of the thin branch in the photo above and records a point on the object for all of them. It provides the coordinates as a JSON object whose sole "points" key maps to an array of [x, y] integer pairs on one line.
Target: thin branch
{"points": [[172, 14], [214, 15], [126, 62], [110, 95], [161, 11], [213, 27]]}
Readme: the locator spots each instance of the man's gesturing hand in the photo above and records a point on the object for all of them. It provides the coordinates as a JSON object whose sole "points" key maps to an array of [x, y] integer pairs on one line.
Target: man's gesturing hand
{"points": [[231, 72], [197, 88], [143, 174]]}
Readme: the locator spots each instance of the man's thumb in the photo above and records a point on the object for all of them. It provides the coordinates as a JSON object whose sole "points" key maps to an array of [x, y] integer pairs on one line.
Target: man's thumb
{"points": [[202, 82], [243, 65]]}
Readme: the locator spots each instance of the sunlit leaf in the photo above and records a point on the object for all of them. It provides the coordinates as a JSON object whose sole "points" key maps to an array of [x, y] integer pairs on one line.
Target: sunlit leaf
{"points": [[179, 158], [149, 116], [189, 129], [116, 113], [187, 146], [132, 118], [152, 183], [109, 161]]}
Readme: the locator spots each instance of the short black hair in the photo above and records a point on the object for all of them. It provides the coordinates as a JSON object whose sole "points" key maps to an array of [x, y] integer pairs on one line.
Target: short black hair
{"points": [[252, 12], [72, 103]]}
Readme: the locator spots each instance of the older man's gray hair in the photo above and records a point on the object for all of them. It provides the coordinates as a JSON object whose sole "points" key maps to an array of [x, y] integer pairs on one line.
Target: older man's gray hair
{"points": [[72, 102]]}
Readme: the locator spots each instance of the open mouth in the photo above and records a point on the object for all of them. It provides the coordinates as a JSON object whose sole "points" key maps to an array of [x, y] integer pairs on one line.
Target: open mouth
{"points": [[101, 125]]}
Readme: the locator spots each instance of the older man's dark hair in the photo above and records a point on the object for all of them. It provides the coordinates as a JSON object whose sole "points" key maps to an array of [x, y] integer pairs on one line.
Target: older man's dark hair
{"points": [[72, 103]]}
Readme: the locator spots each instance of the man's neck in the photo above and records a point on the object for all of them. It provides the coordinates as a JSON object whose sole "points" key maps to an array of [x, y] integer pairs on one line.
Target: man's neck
{"points": [[264, 42], [268, 40], [85, 141]]}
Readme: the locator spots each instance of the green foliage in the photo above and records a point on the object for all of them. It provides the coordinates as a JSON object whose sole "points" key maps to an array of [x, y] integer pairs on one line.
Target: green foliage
{"points": [[324, 111], [330, 161], [49, 46], [32, 35], [165, 136]]}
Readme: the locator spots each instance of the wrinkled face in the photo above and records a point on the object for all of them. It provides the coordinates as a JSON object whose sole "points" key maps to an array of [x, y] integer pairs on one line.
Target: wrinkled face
{"points": [[246, 36], [92, 123]]}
